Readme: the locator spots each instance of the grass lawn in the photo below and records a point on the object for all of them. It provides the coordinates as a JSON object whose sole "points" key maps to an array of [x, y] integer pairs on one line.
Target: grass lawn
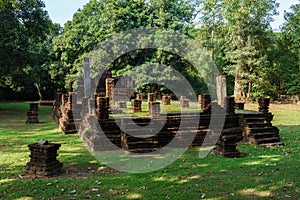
{"points": [[164, 109], [262, 173]]}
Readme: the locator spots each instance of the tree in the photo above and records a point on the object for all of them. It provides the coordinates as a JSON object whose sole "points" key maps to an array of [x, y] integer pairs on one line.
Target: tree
{"points": [[290, 67], [91, 25], [248, 23], [99, 20], [26, 33], [237, 32], [172, 15], [211, 24]]}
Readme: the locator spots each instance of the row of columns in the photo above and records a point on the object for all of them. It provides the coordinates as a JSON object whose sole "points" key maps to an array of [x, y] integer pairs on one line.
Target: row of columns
{"points": [[102, 105]]}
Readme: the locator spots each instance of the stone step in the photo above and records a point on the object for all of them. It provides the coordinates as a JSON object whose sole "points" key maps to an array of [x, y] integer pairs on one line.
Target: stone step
{"points": [[267, 140], [136, 138], [250, 131], [142, 150], [255, 119], [263, 135], [114, 137], [258, 124], [233, 130], [111, 132], [142, 144], [140, 133], [272, 144]]}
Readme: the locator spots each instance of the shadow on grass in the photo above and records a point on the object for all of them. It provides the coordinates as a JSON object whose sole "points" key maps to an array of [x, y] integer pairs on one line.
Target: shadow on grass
{"points": [[262, 174]]}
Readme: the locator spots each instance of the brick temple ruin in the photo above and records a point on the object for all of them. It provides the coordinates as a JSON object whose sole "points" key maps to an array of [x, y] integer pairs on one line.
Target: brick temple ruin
{"points": [[43, 160], [111, 95], [258, 128], [62, 112], [253, 127], [33, 113]]}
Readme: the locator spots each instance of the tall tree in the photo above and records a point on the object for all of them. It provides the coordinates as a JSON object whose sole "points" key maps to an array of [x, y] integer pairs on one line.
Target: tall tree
{"points": [[290, 67], [99, 20], [248, 23], [237, 32], [25, 41], [212, 22]]}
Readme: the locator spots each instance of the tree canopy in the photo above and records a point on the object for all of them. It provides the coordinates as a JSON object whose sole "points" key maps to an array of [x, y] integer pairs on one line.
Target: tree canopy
{"points": [[26, 38], [37, 55], [99, 20], [290, 66]]}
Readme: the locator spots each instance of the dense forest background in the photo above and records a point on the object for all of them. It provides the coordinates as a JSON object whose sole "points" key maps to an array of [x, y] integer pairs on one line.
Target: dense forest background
{"points": [[38, 56]]}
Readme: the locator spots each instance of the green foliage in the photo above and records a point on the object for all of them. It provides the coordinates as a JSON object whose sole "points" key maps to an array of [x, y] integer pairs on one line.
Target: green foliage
{"points": [[99, 20], [25, 38], [37, 56], [291, 39], [243, 46]]}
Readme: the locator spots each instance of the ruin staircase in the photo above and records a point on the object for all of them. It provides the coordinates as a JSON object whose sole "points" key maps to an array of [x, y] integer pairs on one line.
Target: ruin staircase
{"points": [[258, 130]]}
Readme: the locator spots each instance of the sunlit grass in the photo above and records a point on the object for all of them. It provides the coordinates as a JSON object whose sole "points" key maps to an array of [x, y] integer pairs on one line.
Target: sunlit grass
{"points": [[174, 107]]}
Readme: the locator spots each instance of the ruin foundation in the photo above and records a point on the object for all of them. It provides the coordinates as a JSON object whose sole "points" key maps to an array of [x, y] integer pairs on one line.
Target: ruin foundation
{"points": [[43, 160], [33, 113]]}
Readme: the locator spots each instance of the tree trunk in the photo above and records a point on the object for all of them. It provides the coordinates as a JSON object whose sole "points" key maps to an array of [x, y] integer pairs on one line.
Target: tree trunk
{"points": [[159, 92], [38, 87], [249, 89], [239, 93], [213, 44], [249, 83]]}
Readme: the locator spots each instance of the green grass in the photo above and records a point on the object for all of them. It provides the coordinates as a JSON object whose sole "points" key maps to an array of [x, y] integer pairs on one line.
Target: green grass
{"points": [[165, 109], [262, 173]]}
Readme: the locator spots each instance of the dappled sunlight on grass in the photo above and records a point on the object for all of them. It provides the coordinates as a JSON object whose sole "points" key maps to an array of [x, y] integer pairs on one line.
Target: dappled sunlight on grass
{"points": [[186, 179], [270, 157], [164, 179], [134, 196], [254, 192], [263, 160], [5, 180], [258, 162], [25, 198]]}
